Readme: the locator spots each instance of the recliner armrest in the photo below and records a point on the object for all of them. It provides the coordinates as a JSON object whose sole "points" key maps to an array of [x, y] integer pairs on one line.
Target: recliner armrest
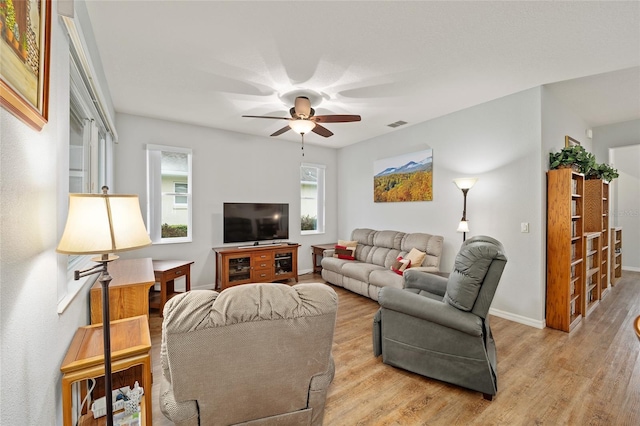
{"points": [[429, 310], [180, 413], [422, 280]]}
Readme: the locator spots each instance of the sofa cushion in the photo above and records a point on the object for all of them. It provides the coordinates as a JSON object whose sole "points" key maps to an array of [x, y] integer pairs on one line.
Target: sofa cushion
{"points": [[385, 278], [382, 256], [334, 264], [388, 239], [359, 270]]}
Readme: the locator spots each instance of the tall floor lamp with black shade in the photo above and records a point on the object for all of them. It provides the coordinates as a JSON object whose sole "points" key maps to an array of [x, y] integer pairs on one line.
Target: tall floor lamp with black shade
{"points": [[464, 184], [103, 224]]}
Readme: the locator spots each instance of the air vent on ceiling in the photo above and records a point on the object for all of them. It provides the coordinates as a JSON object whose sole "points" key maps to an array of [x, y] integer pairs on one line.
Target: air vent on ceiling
{"points": [[397, 124]]}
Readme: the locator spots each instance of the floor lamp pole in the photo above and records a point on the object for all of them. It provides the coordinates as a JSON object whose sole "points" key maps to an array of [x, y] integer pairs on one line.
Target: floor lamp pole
{"points": [[105, 280], [464, 211]]}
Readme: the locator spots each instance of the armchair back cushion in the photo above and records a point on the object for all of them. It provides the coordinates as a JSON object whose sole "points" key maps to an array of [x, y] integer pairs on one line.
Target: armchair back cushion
{"points": [[252, 352], [473, 262]]}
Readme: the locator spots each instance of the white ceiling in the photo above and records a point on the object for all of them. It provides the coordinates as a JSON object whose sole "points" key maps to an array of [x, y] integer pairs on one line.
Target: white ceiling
{"points": [[210, 62]]}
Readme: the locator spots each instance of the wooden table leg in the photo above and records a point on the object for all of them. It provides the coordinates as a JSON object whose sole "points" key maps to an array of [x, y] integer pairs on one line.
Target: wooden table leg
{"points": [[66, 402]]}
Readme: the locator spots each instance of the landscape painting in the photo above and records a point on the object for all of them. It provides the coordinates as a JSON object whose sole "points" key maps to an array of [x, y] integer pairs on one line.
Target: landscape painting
{"points": [[406, 177]]}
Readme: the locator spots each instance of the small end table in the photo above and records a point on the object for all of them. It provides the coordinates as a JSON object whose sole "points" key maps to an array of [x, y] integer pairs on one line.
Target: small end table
{"points": [[318, 250], [130, 346], [165, 272]]}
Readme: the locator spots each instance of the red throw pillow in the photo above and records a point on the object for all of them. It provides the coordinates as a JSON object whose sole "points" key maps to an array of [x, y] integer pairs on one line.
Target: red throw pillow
{"points": [[346, 253], [400, 265]]}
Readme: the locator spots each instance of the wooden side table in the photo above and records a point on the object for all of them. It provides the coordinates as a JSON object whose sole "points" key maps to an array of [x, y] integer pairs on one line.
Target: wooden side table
{"points": [[128, 291], [130, 346], [318, 250], [166, 271]]}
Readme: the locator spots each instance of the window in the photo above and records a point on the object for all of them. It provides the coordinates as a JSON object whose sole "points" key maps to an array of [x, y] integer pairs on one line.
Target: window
{"points": [[180, 201], [312, 198], [169, 192], [89, 155]]}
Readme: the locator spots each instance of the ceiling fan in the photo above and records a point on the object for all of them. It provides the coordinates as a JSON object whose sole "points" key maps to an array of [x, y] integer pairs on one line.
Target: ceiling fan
{"points": [[303, 119]]}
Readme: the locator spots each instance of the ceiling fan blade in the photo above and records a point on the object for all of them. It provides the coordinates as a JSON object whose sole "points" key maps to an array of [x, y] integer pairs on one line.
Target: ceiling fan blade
{"points": [[336, 118], [302, 106], [322, 131], [265, 116], [281, 131]]}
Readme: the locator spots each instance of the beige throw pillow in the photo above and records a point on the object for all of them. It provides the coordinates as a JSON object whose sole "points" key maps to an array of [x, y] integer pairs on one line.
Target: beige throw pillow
{"points": [[416, 257]]}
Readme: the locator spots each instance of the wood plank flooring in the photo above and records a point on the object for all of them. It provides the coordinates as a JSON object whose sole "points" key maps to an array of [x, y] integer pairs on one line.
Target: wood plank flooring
{"points": [[545, 377]]}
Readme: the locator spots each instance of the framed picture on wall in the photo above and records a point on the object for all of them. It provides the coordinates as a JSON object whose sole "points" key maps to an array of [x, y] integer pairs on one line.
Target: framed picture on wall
{"points": [[406, 177], [569, 141], [25, 28]]}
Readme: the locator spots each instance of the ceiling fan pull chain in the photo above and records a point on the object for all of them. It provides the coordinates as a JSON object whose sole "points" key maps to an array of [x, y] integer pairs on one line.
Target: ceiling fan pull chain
{"points": [[302, 134]]}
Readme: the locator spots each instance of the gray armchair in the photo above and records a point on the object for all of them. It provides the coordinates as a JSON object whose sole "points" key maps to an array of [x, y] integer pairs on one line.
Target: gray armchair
{"points": [[439, 327], [255, 353]]}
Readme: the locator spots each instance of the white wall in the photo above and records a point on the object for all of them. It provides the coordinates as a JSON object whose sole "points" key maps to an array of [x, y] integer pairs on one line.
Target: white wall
{"points": [[619, 145], [498, 142], [626, 209], [227, 166], [33, 173], [614, 135]]}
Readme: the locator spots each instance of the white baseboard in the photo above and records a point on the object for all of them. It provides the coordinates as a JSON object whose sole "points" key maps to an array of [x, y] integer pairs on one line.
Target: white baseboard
{"points": [[305, 271], [518, 318], [630, 268]]}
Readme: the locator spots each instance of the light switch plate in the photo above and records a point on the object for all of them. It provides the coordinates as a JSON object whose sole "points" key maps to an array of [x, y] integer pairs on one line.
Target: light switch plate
{"points": [[524, 227]]}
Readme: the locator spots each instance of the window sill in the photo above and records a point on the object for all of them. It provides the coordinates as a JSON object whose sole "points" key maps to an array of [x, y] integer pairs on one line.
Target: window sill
{"points": [[311, 232], [173, 241]]}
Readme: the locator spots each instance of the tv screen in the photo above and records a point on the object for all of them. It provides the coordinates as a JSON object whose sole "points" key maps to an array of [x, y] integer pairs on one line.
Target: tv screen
{"points": [[245, 222]]}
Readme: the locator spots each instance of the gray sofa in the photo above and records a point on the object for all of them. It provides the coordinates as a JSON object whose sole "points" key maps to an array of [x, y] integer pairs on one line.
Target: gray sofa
{"points": [[375, 253]]}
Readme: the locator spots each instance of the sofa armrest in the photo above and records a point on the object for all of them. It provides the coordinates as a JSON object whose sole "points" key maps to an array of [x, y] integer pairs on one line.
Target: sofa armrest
{"points": [[426, 281], [430, 310], [328, 253]]}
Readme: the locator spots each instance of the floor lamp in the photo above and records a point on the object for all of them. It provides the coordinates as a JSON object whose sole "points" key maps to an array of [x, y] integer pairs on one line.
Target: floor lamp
{"points": [[464, 184], [103, 224]]}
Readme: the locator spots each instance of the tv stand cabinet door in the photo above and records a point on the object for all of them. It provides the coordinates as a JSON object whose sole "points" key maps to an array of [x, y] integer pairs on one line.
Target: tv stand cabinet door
{"points": [[233, 269], [286, 263]]}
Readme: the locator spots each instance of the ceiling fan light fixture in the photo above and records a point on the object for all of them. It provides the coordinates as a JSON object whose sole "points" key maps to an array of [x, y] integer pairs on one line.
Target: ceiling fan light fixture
{"points": [[302, 126]]}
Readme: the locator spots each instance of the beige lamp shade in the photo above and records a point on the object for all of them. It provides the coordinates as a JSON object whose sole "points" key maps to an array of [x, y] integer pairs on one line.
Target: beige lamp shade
{"points": [[465, 183], [103, 223], [463, 226], [302, 126]]}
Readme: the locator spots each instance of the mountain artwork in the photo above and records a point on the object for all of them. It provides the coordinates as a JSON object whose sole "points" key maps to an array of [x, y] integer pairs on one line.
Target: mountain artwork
{"points": [[407, 177]]}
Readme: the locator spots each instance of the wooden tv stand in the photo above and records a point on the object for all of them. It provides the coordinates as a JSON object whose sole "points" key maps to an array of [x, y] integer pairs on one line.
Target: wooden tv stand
{"points": [[255, 264]]}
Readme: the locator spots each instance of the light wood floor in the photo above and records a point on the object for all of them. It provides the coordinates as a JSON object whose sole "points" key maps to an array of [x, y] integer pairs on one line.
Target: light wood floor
{"points": [[545, 377]]}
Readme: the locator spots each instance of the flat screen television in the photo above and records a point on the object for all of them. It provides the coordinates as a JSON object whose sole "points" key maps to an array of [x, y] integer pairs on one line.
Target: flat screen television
{"points": [[253, 222]]}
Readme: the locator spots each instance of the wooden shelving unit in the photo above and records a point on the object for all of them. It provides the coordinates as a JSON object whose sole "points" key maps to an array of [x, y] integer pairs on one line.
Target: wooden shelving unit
{"points": [[566, 292], [592, 261], [596, 219], [616, 254]]}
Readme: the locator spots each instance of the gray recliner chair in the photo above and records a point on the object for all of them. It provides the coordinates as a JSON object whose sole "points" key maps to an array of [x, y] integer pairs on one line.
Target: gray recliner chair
{"points": [[439, 327], [256, 354]]}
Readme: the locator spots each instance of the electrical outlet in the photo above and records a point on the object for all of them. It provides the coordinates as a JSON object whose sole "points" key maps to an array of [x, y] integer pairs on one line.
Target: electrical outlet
{"points": [[524, 227]]}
